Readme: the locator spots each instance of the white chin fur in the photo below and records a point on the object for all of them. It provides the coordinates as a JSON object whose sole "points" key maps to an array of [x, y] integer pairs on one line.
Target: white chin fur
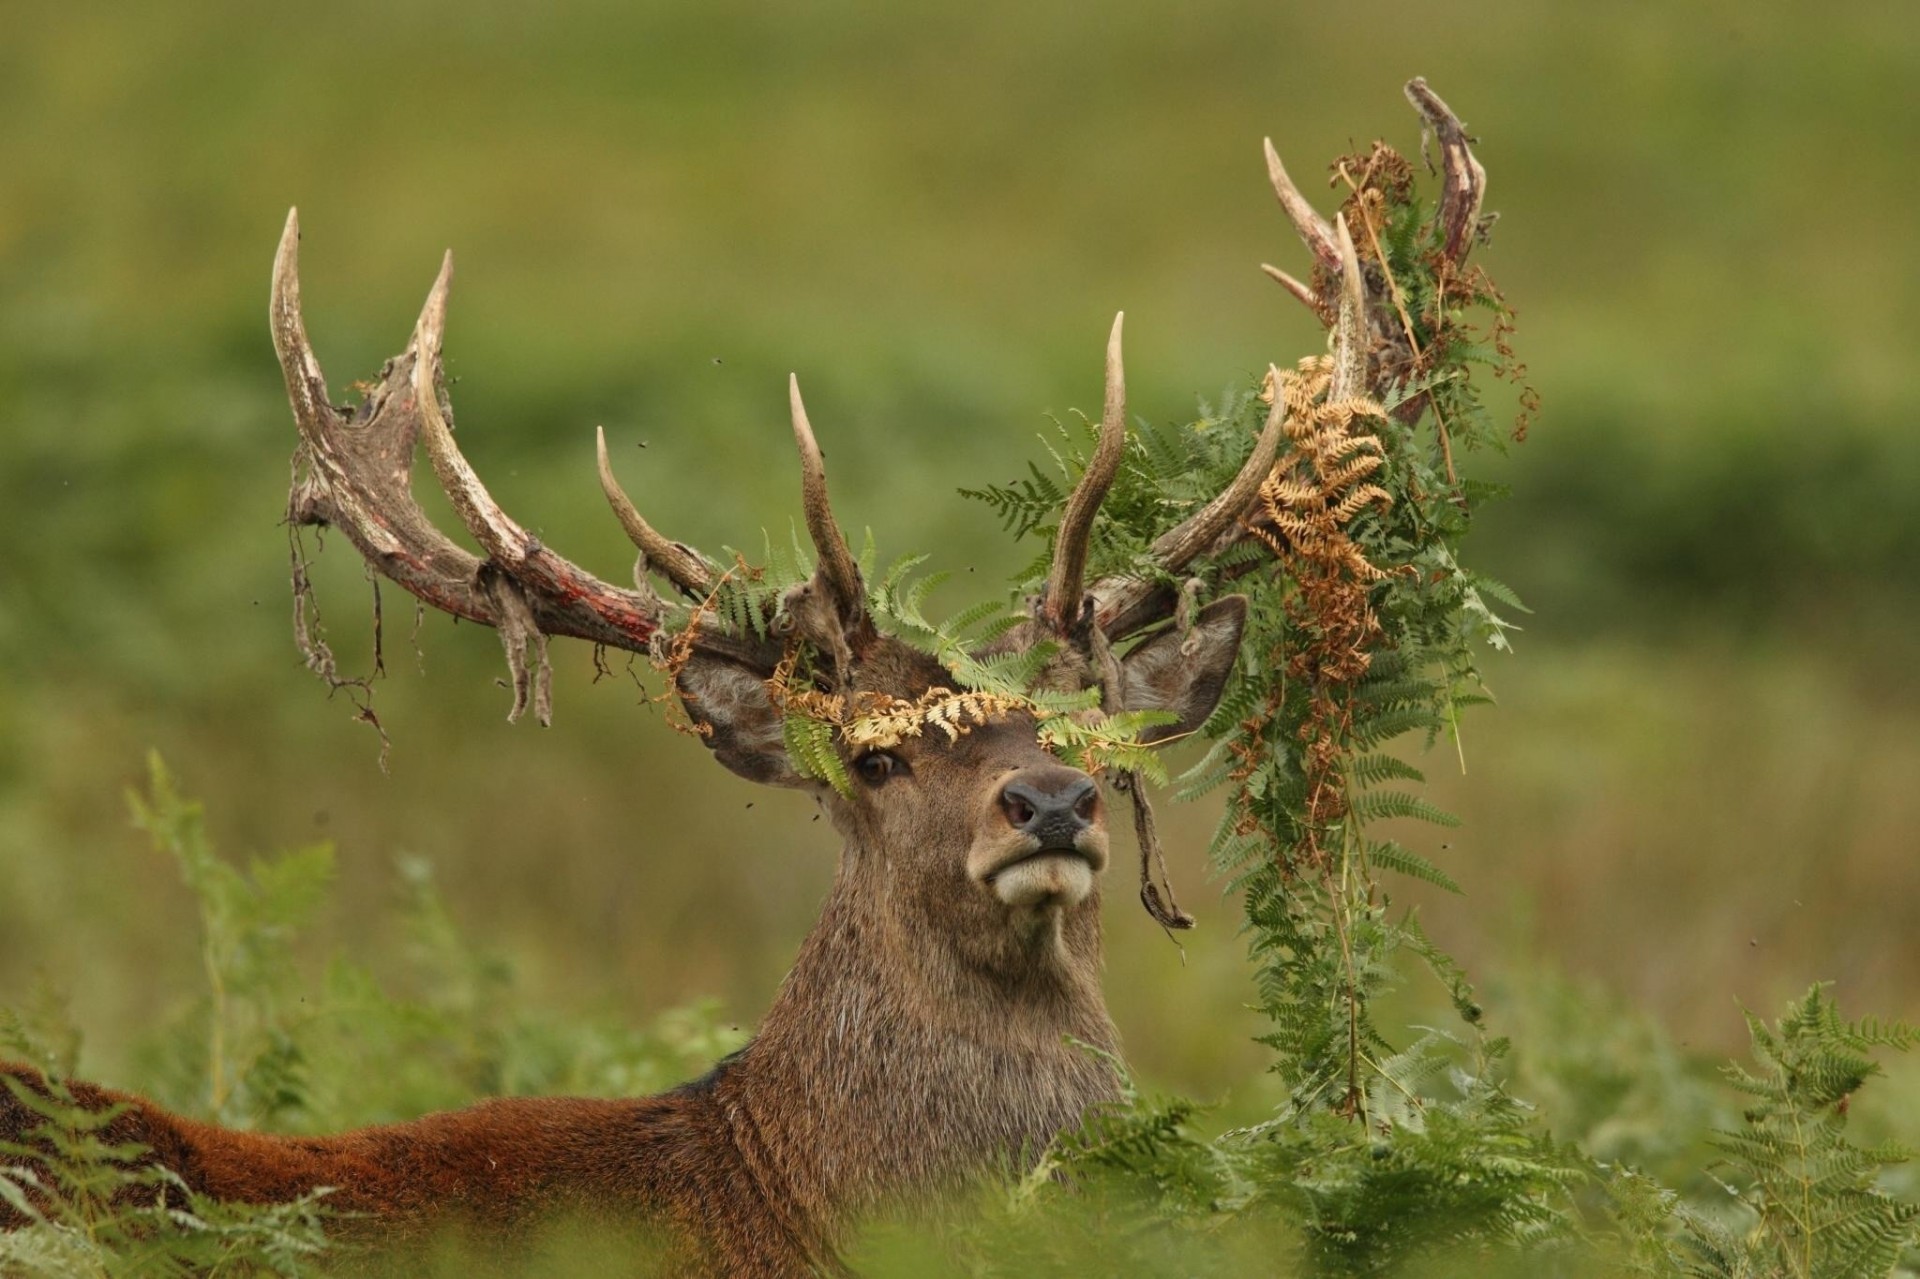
{"points": [[1059, 879]]}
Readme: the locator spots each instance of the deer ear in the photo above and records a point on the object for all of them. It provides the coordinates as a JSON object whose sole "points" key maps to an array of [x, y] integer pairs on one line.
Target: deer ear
{"points": [[741, 725], [1185, 671]]}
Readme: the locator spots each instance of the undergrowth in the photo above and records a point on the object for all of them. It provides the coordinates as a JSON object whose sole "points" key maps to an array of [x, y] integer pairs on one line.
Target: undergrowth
{"points": [[278, 1045], [1449, 1173]]}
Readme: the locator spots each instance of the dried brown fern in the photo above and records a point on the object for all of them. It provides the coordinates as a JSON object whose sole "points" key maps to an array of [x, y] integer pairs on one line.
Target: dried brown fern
{"points": [[876, 721], [1314, 492]]}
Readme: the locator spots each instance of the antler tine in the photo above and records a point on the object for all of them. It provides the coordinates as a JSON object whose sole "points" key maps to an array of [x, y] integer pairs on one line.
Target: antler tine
{"points": [[504, 541], [306, 385], [1464, 182], [837, 565], [355, 477], [1120, 600], [1306, 296], [682, 565], [1060, 605], [1351, 335], [1313, 229], [564, 598]]}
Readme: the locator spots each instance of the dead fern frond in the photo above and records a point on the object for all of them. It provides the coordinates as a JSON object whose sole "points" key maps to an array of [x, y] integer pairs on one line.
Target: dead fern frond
{"points": [[876, 721], [672, 652], [1314, 492], [954, 714]]}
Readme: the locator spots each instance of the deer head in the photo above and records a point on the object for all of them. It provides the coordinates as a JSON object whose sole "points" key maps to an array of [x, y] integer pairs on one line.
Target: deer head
{"points": [[959, 824]]}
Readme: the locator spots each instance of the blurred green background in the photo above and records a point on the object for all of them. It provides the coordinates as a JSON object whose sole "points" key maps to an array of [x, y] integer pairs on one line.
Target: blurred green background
{"points": [[1701, 782]]}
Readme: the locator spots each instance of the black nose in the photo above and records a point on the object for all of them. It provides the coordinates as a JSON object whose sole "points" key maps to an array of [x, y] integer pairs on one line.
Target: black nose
{"points": [[1052, 807]]}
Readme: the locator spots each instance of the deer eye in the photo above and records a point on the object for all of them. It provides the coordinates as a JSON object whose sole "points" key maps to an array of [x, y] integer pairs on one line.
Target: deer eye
{"points": [[875, 767]]}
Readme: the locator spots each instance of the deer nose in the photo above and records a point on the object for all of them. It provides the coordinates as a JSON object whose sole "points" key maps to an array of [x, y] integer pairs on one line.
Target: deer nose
{"points": [[1052, 809]]}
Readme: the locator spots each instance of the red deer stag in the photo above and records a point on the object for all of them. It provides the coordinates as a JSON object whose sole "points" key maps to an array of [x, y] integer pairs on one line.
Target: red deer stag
{"points": [[928, 1027]]}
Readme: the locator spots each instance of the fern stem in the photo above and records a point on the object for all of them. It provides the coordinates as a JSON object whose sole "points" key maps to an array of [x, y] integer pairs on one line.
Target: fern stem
{"points": [[1453, 731], [1805, 1221], [1343, 923], [217, 1034], [1382, 1071]]}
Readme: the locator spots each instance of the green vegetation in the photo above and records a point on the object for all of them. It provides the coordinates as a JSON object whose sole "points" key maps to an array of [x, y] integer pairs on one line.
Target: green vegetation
{"points": [[1448, 1172], [1699, 784], [276, 1047]]}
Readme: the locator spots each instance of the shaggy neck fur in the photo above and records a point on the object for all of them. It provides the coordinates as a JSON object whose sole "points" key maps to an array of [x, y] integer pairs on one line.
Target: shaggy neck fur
{"points": [[888, 1069]]}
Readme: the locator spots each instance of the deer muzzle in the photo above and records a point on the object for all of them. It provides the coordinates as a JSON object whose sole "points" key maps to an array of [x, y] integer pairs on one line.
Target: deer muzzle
{"points": [[1051, 839]]}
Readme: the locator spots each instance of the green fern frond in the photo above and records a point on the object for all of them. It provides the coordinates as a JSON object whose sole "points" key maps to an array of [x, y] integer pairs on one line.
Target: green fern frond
{"points": [[813, 752], [1371, 770], [1389, 855], [1023, 505], [1818, 1200], [1379, 805]]}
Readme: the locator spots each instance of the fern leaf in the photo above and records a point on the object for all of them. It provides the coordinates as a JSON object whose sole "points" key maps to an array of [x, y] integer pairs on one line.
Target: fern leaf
{"points": [[1382, 804], [811, 747], [1390, 855]]}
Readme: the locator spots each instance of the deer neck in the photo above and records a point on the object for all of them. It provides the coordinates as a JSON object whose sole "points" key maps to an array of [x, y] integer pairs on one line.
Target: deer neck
{"points": [[893, 1064]]}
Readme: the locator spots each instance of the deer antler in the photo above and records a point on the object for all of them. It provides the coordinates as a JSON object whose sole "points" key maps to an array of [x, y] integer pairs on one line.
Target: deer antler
{"points": [[837, 567], [1464, 183], [354, 472], [685, 567], [1126, 605]]}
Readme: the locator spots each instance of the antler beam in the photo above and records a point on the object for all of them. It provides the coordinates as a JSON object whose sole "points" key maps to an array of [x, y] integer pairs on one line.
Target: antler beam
{"points": [[1122, 603]]}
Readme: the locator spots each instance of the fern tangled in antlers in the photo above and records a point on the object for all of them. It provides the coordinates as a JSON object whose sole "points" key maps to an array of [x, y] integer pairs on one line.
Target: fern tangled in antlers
{"points": [[1318, 488], [870, 721], [1306, 505]]}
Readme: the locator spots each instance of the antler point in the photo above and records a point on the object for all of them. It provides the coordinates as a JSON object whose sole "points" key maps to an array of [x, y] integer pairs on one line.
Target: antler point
{"points": [[802, 428], [286, 257], [430, 331], [837, 564], [1351, 282]]}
